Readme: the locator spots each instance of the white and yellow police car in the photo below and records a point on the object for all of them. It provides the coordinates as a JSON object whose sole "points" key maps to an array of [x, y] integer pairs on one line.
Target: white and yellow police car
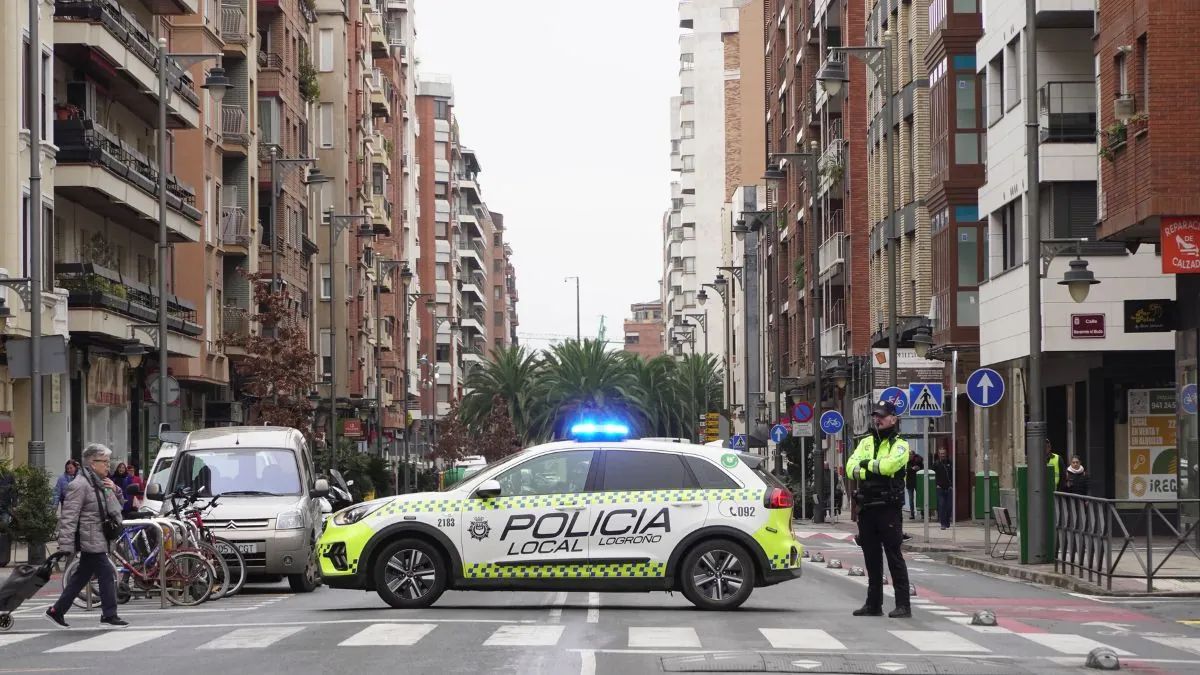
{"points": [[597, 513]]}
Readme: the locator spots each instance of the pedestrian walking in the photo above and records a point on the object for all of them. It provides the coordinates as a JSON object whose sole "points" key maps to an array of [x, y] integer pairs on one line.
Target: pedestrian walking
{"points": [[943, 478], [91, 519], [879, 464], [915, 464], [1077, 478]]}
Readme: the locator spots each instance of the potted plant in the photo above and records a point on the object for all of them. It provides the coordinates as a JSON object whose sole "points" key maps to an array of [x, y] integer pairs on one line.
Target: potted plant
{"points": [[834, 171], [1112, 137], [34, 521]]}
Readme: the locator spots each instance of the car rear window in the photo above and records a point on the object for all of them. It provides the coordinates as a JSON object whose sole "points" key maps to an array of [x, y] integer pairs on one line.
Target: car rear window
{"points": [[769, 478], [709, 476]]}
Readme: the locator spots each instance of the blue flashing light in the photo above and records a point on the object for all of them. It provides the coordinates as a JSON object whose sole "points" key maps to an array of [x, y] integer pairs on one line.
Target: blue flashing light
{"points": [[597, 431]]}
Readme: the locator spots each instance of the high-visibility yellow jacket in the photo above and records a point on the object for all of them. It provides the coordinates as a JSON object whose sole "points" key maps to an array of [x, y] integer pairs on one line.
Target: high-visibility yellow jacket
{"points": [[1056, 462], [887, 456]]}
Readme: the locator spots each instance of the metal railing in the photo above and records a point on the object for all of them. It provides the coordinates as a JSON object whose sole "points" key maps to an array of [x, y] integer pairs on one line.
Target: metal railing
{"points": [[270, 60], [832, 252], [1091, 538], [1067, 112], [833, 340], [235, 226], [234, 126], [234, 24]]}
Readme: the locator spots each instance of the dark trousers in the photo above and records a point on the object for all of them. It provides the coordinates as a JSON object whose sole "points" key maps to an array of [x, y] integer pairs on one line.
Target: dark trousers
{"points": [[943, 496], [912, 502], [91, 565], [880, 533]]}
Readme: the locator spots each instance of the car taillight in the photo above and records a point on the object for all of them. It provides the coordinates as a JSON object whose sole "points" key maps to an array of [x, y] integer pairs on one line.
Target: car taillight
{"points": [[779, 498]]}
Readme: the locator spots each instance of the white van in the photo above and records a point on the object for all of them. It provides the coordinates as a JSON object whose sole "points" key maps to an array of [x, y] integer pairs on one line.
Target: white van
{"points": [[161, 470], [269, 504]]}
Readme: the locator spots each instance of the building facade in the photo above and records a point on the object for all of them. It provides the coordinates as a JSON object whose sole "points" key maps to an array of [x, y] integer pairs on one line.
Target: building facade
{"points": [[644, 330]]}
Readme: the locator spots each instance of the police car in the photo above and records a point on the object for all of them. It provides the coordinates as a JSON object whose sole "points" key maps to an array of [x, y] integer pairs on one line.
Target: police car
{"points": [[597, 513]]}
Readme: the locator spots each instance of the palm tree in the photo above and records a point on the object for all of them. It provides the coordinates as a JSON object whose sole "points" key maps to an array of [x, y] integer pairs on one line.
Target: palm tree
{"points": [[699, 380], [584, 378], [511, 374], [661, 395]]}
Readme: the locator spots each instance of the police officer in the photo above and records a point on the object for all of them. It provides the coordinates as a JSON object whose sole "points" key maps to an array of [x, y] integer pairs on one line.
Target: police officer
{"points": [[878, 464]]}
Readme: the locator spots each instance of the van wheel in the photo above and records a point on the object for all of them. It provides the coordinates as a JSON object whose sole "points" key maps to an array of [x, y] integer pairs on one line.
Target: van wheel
{"points": [[410, 574], [307, 581], [717, 575]]}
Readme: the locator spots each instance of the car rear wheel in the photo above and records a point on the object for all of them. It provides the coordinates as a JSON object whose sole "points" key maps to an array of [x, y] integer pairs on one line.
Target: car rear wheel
{"points": [[308, 580], [410, 574], [717, 575]]}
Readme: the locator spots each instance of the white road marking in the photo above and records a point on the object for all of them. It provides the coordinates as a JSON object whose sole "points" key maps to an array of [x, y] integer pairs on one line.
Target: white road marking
{"points": [[887, 655], [1186, 644], [801, 638], [1064, 643], [252, 638], [389, 635], [663, 636], [948, 612], [966, 621], [111, 641], [593, 615], [556, 612], [14, 638], [932, 607], [938, 641], [525, 636], [587, 659], [921, 601]]}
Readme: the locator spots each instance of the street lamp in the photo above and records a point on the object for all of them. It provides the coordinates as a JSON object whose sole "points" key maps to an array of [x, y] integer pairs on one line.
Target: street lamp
{"points": [[832, 77], [922, 342], [841, 376], [337, 223], [383, 268], [702, 297], [1079, 280], [315, 177], [749, 270]]}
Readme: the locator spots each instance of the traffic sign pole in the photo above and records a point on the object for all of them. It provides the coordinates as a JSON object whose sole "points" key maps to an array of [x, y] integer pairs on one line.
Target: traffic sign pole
{"points": [[987, 487], [985, 388], [925, 477], [954, 449]]}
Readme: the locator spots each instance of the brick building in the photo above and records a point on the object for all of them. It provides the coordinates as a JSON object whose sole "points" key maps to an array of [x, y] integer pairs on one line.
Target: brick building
{"points": [[644, 330]]}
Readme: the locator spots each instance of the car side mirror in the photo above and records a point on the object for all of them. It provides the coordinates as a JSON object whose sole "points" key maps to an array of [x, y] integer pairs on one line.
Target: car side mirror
{"points": [[350, 482], [488, 489], [320, 489], [154, 491]]}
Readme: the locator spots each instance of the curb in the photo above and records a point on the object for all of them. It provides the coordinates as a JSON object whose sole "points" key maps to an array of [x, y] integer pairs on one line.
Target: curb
{"points": [[1057, 580]]}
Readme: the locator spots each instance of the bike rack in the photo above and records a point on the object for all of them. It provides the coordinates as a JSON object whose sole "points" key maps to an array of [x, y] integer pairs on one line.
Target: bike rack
{"points": [[165, 526]]}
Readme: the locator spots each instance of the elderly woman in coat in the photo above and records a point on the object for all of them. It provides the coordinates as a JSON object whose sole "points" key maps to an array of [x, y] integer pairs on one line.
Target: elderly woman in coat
{"points": [[91, 498]]}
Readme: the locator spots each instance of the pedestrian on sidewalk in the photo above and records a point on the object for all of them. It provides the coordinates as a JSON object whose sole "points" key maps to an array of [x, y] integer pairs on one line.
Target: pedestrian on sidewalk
{"points": [[915, 464], [1054, 461], [91, 519], [60, 486], [943, 477], [1077, 478], [878, 464]]}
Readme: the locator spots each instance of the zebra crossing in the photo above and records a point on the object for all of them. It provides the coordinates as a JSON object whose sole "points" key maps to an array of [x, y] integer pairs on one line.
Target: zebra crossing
{"points": [[405, 634]]}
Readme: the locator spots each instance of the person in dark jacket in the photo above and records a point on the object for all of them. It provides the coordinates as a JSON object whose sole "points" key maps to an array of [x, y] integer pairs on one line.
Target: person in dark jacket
{"points": [[91, 499], [1076, 479], [915, 464], [943, 475]]}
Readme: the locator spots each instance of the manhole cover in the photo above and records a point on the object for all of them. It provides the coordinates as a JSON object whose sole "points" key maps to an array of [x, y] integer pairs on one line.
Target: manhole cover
{"points": [[757, 662]]}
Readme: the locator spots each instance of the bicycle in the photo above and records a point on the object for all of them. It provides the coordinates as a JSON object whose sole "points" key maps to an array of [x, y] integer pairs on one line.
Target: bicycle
{"points": [[225, 553]]}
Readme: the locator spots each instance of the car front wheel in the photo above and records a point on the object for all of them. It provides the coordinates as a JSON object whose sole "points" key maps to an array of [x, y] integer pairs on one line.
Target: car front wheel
{"points": [[410, 574], [717, 575]]}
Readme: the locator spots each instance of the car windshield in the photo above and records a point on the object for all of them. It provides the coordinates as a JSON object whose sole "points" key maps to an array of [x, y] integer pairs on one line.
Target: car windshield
{"points": [[489, 471], [239, 471], [161, 473]]}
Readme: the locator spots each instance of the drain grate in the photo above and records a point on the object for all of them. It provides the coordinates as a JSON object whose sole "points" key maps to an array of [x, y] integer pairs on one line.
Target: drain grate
{"points": [[757, 662]]}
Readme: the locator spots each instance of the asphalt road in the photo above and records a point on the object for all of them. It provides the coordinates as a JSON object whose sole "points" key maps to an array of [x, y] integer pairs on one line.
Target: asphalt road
{"points": [[802, 626]]}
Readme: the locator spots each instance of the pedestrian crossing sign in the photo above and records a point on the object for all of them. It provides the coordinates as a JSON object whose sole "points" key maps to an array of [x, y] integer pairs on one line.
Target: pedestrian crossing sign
{"points": [[925, 399]]}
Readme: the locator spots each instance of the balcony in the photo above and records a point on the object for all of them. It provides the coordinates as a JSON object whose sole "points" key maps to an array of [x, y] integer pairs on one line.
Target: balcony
{"points": [[1067, 112], [109, 176], [687, 14], [832, 256], [383, 283], [832, 167], [466, 182], [833, 340], [381, 152], [385, 341], [381, 214], [235, 325], [473, 355], [109, 45], [379, 41], [381, 94], [235, 227], [472, 249], [474, 284], [474, 319], [106, 305], [235, 130], [234, 25]]}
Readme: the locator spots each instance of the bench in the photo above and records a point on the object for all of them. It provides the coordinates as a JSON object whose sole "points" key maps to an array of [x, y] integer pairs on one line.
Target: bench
{"points": [[1007, 531]]}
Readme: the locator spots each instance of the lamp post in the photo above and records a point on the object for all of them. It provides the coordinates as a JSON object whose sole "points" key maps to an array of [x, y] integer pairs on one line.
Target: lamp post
{"points": [[383, 268], [410, 299], [217, 84], [315, 177], [37, 420], [741, 229], [337, 223], [578, 325], [719, 284], [832, 76]]}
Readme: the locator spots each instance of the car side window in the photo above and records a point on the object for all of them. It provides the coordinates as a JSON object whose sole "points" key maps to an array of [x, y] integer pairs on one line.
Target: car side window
{"points": [[632, 470], [557, 473], [709, 476]]}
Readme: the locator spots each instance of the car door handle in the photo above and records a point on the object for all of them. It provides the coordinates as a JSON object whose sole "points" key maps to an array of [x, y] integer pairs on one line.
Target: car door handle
{"points": [[570, 507], [688, 504]]}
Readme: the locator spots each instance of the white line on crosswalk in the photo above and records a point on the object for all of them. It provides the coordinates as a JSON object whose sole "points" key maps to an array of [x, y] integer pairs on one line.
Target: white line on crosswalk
{"points": [[966, 621], [801, 638], [14, 638], [1065, 643], [252, 638], [389, 635], [593, 615], [948, 612], [111, 642], [663, 636], [1186, 644], [937, 641], [525, 636], [557, 606], [921, 601]]}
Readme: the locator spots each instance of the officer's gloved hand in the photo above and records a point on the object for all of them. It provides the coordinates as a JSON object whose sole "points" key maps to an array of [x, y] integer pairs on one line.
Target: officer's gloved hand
{"points": [[864, 464]]}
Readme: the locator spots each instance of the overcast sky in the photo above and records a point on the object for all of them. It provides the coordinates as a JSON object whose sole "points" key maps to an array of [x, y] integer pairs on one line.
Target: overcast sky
{"points": [[567, 105]]}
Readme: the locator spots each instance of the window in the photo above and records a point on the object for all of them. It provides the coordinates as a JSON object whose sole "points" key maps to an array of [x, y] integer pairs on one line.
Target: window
{"points": [[443, 271], [25, 83], [995, 89], [326, 125], [558, 473], [689, 298], [1144, 62], [326, 282], [687, 129], [708, 476], [214, 472], [497, 318], [632, 470], [326, 347], [964, 102], [47, 77], [1121, 70], [211, 208], [440, 150], [498, 293], [966, 6], [325, 47], [439, 190], [688, 94], [968, 256], [1010, 233], [498, 266], [689, 265], [687, 61], [440, 229], [441, 109], [25, 243], [688, 163], [1012, 73], [210, 314], [269, 121]]}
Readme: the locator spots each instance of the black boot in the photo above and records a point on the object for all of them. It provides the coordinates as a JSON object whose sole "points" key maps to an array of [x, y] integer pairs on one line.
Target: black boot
{"points": [[868, 610], [904, 612]]}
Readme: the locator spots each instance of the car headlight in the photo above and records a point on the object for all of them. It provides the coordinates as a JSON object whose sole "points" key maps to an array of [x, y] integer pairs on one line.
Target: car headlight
{"points": [[289, 520], [356, 513]]}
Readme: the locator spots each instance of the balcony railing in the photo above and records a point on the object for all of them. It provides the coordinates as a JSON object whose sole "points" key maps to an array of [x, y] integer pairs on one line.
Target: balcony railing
{"points": [[235, 321], [833, 340], [472, 244], [1067, 112], [84, 141], [234, 24], [833, 251], [92, 286], [270, 60], [234, 125], [235, 226]]}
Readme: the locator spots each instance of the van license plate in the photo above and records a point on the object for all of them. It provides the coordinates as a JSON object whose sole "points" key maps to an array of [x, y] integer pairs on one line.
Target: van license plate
{"points": [[242, 548]]}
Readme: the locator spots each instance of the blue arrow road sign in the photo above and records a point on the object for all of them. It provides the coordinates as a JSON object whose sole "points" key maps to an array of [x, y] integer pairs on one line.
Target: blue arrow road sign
{"points": [[1187, 399], [925, 399], [898, 397], [832, 422], [779, 433], [985, 387], [737, 441]]}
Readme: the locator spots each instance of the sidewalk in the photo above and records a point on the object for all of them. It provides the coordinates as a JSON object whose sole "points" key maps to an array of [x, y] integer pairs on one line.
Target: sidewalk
{"points": [[20, 555], [963, 547]]}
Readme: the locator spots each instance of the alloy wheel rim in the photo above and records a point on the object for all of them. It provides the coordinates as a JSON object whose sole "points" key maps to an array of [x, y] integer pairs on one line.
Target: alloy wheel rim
{"points": [[410, 574], [718, 575]]}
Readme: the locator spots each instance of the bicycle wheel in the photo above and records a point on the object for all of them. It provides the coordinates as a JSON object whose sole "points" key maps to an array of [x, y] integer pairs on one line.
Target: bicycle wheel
{"points": [[189, 578], [80, 599], [236, 562], [214, 558]]}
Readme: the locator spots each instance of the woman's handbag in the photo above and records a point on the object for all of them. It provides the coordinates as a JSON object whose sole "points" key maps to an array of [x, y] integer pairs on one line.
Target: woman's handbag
{"points": [[111, 527]]}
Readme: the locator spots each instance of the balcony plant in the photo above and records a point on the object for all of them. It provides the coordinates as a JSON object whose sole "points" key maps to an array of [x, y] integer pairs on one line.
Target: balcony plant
{"points": [[1115, 135], [310, 89], [834, 171], [798, 273]]}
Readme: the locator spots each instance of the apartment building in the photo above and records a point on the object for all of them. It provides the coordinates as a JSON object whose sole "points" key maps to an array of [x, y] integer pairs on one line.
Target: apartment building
{"points": [[644, 329], [504, 290], [480, 314], [1096, 353]]}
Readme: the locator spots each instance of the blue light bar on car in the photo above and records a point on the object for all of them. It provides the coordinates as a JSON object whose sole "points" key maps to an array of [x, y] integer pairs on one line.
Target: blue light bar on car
{"points": [[599, 430]]}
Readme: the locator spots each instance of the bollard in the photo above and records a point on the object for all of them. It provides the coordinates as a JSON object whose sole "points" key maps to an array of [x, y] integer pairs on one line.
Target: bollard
{"points": [[983, 617], [912, 591], [857, 571], [818, 558], [1102, 658], [834, 564]]}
